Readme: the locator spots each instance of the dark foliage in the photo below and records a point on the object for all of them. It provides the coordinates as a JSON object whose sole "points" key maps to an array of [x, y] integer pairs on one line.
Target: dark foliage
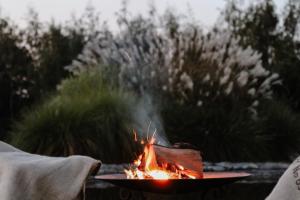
{"points": [[32, 61]]}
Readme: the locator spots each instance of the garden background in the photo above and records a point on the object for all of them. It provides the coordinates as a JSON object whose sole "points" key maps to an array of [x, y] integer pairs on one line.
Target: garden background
{"points": [[232, 90]]}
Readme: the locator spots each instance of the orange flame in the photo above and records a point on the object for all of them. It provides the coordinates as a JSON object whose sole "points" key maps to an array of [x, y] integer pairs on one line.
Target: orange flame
{"points": [[147, 167]]}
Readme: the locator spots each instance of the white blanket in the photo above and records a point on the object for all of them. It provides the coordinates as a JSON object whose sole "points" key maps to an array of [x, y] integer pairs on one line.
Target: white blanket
{"points": [[25, 176], [288, 186]]}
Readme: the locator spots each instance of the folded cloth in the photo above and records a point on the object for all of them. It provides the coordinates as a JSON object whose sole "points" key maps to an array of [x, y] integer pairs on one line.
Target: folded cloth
{"points": [[288, 186], [25, 176]]}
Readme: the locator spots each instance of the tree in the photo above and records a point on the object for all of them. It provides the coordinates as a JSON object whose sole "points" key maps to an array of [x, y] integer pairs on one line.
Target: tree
{"points": [[15, 73], [256, 26], [259, 26]]}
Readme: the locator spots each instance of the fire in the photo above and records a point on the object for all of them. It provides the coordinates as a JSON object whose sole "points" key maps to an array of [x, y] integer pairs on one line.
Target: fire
{"points": [[159, 174], [147, 166]]}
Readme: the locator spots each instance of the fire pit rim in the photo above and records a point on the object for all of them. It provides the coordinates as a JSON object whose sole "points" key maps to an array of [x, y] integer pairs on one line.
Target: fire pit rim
{"points": [[210, 180]]}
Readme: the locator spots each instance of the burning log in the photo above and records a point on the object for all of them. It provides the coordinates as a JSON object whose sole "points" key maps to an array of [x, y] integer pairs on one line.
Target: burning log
{"points": [[159, 162], [188, 160]]}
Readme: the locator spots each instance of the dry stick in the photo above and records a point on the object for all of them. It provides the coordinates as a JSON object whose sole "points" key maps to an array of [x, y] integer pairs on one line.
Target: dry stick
{"points": [[148, 131]]}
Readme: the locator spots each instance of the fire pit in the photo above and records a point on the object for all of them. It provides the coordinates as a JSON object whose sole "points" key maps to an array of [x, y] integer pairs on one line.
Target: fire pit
{"points": [[161, 163], [210, 180], [169, 170]]}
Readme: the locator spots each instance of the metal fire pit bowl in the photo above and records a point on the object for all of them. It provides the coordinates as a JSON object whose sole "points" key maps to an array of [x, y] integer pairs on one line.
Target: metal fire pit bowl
{"points": [[210, 180]]}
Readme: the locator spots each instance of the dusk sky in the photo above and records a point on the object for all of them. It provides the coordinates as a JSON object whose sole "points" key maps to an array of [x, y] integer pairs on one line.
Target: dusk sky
{"points": [[205, 11]]}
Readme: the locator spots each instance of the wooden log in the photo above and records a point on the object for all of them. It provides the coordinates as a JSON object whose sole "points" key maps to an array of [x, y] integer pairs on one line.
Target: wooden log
{"points": [[190, 159]]}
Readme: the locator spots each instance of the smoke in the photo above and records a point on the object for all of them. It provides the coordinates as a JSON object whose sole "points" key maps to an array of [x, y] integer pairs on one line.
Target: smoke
{"points": [[140, 62], [148, 120]]}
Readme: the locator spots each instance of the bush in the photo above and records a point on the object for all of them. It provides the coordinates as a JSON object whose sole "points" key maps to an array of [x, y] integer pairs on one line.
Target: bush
{"points": [[225, 131], [84, 117], [220, 132], [280, 129]]}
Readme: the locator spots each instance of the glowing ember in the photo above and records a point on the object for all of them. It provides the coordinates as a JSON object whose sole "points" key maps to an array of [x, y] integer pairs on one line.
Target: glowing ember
{"points": [[159, 174], [147, 167]]}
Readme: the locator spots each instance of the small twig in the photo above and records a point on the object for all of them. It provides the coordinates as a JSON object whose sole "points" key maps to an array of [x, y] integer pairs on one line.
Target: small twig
{"points": [[148, 131]]}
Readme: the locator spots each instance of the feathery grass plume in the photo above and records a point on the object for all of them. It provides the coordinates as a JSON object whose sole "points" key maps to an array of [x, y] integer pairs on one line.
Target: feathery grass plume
{"points": [[189, 65]]}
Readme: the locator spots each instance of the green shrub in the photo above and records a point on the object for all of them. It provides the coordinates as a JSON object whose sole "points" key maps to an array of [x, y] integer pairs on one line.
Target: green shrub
{"points": [[221, 132], [226, 130], [85, 117], [280, 129]]}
